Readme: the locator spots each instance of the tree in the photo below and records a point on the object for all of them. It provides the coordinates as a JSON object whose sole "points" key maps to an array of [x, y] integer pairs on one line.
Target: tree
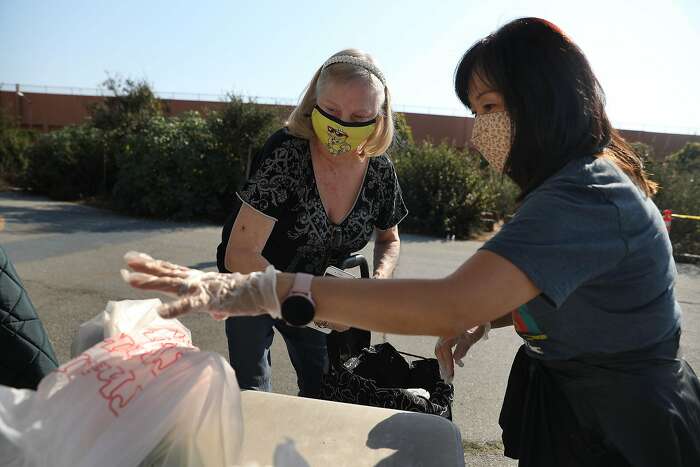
{"points": [[131, 104]]}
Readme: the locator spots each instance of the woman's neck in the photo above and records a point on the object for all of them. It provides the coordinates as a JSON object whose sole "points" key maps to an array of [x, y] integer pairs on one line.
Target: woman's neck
{"points": [[322, 155]]}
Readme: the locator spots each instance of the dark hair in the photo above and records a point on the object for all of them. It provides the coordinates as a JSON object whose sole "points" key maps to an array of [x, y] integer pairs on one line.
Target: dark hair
{"points": [[555, 102]]}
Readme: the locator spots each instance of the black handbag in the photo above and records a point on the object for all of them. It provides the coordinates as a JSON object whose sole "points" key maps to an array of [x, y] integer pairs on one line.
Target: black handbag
{"points": [[380, 376]]}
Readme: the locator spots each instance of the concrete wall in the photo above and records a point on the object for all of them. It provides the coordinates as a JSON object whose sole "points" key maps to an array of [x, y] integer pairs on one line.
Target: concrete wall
{"points": [[48, 112]]}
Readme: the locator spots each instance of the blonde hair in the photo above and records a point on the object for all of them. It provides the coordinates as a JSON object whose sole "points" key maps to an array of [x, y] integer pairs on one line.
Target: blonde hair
{"points": [[299, 122]]}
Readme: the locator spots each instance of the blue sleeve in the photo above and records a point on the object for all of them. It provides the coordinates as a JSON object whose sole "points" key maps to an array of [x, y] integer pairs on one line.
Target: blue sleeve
{"points": [[272, 183], [562, 237]]}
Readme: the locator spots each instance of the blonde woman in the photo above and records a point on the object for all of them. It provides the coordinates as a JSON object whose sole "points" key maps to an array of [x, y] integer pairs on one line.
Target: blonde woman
{"points": [[324, 185]]}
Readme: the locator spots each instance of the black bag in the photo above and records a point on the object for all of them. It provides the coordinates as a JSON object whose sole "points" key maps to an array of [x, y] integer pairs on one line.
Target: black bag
{"points": [[342, 346], [380, 377]]}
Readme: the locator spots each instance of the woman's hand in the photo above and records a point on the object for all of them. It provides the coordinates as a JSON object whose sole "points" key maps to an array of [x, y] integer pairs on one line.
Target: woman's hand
{"points": [[221, 295], [447, 357]]}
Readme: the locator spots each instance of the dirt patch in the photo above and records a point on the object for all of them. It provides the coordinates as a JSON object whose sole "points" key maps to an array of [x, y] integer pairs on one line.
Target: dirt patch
{"points": [[486, 454], [488, 447]]}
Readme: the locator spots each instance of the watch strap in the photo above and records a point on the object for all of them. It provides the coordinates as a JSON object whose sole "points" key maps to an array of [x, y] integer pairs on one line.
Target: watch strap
{"points": [[298, 308], [302, 284]]}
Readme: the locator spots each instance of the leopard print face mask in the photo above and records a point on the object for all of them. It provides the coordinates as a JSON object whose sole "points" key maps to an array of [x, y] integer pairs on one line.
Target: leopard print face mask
{"points": [[492, 136]]}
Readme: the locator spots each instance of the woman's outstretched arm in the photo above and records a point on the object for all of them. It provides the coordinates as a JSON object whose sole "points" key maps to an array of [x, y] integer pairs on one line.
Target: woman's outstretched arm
{"points": [[484, 288]]}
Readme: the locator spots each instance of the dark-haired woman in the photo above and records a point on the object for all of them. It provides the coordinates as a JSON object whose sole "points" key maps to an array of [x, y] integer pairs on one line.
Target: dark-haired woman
{"points": [[584, 272]]}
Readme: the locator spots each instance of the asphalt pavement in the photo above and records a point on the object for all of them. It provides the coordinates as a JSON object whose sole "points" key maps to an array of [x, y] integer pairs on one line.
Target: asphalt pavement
{"points": [[69, 256]]}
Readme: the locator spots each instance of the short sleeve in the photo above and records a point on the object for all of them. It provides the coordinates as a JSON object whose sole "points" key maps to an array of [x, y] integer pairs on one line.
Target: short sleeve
{"points": [[392, 209], [270, 186], [562, 237]]}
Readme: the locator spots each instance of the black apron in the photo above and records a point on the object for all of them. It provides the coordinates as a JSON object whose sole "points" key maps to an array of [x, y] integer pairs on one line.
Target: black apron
{"points": [[639, 408]]}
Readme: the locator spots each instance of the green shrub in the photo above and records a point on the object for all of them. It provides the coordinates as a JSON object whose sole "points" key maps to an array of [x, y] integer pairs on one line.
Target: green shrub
{"points": [[239, 132], [502, 190], [403, 134], [151, 177], [679, 177], [66, 164], [445, 189], [189, 166], [128, 109], [131, 105], [14, 143]]}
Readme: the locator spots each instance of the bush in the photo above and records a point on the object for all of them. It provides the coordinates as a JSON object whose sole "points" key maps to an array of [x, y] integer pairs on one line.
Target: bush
{"points": [[176, 167], [131, 105], [240, 131], [403, 135], [502, 190], [189, 166], [14, 143], [445, 189], [679, 177], [148, 181], [66, 164], [154, 179], [127, 111]]}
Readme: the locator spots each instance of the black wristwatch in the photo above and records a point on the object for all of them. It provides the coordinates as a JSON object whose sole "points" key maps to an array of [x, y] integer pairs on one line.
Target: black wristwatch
{"points": [[298, 308]]}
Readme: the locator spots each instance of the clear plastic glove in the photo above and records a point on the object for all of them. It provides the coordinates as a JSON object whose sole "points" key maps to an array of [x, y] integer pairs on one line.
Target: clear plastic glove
{"points": [[220, 295], [447, 357]]}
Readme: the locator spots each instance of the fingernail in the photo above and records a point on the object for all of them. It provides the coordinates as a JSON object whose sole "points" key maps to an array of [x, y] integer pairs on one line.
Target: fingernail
{"points": [[136, 278], [131, 255], [163, 313]]}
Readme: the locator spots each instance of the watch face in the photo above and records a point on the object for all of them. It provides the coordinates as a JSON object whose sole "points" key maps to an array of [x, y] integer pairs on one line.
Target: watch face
{"points": [[298, 310]]}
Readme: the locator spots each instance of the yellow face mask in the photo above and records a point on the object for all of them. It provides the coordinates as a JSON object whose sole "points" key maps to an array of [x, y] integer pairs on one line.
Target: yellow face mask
{"points": [[339, 136]]}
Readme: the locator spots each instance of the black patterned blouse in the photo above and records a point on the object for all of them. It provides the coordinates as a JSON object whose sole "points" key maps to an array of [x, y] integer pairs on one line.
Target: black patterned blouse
{"points": [[303, 238]]}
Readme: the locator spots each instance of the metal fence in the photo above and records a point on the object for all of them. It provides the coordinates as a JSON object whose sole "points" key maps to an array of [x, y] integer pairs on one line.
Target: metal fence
{"points": [[204, 97]]}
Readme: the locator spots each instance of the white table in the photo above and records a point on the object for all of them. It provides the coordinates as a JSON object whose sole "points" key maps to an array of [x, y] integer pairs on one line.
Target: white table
{"points": [[290, 431]]}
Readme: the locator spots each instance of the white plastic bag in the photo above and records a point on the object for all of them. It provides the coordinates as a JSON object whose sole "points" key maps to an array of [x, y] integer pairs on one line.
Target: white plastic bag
{"points": [[125, 316], [142, 396]]}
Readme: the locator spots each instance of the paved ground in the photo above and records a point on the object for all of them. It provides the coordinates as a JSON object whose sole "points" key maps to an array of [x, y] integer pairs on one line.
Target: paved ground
{"points": [[69, 257]]}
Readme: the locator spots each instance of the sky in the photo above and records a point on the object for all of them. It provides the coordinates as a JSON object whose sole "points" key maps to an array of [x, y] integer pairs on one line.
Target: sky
{"points": [[644, 53]]}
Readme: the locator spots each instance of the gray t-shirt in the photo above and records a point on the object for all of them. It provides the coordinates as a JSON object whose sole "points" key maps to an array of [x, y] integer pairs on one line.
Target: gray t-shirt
{"points": [[598, 249]]}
